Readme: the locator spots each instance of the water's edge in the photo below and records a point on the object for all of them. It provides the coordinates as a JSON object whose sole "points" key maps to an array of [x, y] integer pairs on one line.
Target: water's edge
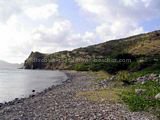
{"points": [[20, 100]]}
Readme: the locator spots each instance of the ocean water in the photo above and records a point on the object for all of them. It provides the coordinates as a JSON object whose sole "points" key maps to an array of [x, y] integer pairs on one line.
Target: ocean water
{"points": [[19, 83]]}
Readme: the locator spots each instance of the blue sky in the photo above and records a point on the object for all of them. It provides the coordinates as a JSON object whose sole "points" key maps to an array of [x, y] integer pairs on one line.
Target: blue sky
{"points": [[70, 10], [151, 25], [54, 25]]}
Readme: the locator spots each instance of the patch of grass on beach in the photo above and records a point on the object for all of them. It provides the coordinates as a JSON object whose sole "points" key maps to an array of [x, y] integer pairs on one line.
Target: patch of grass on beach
{"points": [[145, 101], [101, 75], [126, 94], [102, 95]]}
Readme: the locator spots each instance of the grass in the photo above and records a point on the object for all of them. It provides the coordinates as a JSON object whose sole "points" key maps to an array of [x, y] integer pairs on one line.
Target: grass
{"points": [[101, 75], [128, 76], [146, 48], [127, 95], [102, 95], [144, 102]]}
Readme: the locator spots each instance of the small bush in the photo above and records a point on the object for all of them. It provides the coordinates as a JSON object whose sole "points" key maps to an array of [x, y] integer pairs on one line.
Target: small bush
{"points": [[96, 66], [123, 76], [81, 67]]}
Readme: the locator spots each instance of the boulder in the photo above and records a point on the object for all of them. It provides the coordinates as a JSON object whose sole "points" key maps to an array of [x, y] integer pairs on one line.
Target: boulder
{"points": [[157, 96]]}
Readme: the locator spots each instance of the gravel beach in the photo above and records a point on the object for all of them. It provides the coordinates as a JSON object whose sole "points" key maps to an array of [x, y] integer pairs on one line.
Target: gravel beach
{"points": [[60, 103]]}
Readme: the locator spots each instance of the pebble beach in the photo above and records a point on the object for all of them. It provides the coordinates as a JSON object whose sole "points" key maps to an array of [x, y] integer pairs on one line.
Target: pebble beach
{"points": [[60, 103]]}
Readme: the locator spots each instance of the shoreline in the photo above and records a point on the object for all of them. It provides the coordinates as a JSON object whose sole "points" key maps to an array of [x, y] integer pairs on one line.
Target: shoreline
{"points": [[20, 100], [60, 103]]}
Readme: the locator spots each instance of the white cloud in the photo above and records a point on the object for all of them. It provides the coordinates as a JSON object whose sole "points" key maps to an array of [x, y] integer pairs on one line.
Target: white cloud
{"points": [[59, 36], [14, 40], [119, 18], [10, 7], [42, 12], [117, 29], [108, 10], [54, 35], [15, 33], [19, 38], [132, 3], [7, 9]]}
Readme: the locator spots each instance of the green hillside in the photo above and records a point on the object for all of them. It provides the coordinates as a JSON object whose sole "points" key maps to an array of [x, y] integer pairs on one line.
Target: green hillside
{"points": [[142, 50]]}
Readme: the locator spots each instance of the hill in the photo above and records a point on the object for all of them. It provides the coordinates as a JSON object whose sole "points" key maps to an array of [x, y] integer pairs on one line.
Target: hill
{"points": [[6, 65], [143, 50]]}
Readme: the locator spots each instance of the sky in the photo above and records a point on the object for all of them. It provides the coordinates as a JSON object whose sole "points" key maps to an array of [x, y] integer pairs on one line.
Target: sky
{"points": [[49, 26]]}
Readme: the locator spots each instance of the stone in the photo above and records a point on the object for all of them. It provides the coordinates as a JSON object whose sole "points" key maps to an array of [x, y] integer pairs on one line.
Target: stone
{"points": [[151, 77], [140, 91], [112, 78], [33, 90], [157, 96], [1, 104]]}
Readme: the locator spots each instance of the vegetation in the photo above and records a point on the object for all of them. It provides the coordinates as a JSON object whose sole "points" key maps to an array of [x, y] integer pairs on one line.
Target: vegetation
{"points": [[111, 64], [143, 102], [127, 94], [101, 75], [81, 67], [102, 95], [123, 76]]}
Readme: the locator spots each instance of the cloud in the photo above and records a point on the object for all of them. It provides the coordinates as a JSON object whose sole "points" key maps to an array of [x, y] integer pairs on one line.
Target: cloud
{"points": [[42, 12], [16, 29], [117, 29], [20, 34], [60, 36], [7, 9], [107, 10], [53, 36], [14, 39], [10, 7], [120, 18]]}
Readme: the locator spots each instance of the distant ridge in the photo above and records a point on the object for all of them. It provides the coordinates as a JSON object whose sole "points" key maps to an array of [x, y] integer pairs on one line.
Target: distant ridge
{"points": [[6, 65]]}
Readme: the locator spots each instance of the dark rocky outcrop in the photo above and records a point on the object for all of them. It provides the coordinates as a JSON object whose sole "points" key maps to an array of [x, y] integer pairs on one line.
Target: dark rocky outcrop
{"points": [[35, 61]]}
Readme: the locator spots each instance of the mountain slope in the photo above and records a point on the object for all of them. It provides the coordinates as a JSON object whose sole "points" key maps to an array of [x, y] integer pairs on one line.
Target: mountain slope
{"points": [[6, 65], [143, 45]]}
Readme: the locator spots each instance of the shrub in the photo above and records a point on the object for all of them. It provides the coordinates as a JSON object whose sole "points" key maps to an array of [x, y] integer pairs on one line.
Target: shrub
{"points": [[96, 66], [81, 67], [123, 76]]}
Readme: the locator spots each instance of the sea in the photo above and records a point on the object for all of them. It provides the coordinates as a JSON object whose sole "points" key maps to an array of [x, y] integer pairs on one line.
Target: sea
{"points": [[20, 83]]}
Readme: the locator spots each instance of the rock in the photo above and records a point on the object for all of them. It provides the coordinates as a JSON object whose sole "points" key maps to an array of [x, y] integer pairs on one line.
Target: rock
{"points": [[140, 91], [151, 77], [141, 79], [154, 75], [112, 78], [157, 96], [33, 90], [1, 104], [16, 99], [103, 83]]}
